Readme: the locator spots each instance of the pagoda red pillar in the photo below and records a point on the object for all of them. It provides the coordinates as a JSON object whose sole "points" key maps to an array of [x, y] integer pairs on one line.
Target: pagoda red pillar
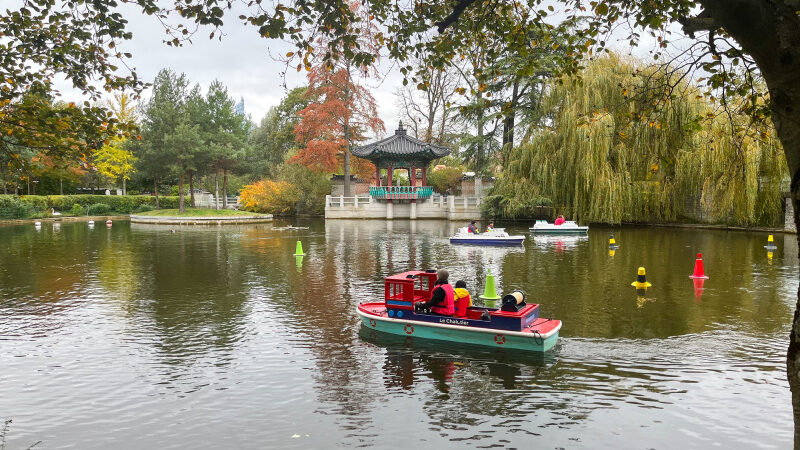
{"points": [[412, 175], [377, 176], [389, 176], [424, 178]]}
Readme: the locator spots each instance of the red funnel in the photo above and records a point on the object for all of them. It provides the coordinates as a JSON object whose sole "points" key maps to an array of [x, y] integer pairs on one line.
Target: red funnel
{"points": [[698, 268]]}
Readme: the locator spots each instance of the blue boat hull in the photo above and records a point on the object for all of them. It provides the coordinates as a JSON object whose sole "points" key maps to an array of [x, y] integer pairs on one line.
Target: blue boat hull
{"points": [[475, 336]]}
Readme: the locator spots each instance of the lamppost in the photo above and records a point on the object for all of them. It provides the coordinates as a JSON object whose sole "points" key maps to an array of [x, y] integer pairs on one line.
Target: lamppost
{"points": [[34, 186]]}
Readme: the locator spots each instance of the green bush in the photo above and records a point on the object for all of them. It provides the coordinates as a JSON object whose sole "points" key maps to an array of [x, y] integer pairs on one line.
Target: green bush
{"points": [[144, 208], [77, 210], [11, 207], [23, 207], [445, 179], [502, 207], [99, 209]]}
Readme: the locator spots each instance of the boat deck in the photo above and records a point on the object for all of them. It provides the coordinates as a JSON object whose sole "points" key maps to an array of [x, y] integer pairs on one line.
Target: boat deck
{"points": [[539, 325]]}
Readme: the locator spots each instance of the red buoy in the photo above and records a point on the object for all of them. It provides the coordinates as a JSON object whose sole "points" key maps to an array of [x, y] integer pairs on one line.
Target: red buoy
{"points": [[698, 268], [108, 222]]}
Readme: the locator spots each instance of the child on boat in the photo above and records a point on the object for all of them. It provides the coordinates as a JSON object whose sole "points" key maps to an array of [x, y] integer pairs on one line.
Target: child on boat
{"points": [[462, 299], [560, 220], [490, 227]]}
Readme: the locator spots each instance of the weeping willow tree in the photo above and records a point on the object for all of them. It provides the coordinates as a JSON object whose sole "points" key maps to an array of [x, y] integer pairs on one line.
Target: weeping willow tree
{"points": [[625, 143]]}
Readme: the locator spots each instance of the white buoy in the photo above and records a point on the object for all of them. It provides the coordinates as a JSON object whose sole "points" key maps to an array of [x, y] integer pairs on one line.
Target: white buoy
{"points": [[91, 222], [37, 224]]}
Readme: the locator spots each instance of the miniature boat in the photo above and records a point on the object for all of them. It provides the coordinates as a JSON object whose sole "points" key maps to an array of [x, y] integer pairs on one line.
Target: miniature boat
{"points": [[516, 325], [498, 236], [568, 227]]}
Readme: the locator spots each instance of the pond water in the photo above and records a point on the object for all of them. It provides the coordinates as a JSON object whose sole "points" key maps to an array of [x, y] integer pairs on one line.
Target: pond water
{"points": [[138, 337]]}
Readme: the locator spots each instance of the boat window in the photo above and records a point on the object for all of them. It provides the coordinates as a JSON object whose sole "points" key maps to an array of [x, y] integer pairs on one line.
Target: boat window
{"points": [[396, 291]]}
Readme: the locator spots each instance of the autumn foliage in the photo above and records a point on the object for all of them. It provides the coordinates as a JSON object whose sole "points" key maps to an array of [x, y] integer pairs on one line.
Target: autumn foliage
{"points": [[267, 196], [341, 112]]}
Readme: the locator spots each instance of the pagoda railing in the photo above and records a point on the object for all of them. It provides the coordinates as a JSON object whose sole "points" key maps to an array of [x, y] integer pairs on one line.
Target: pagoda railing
{"points": [[400, 192]]}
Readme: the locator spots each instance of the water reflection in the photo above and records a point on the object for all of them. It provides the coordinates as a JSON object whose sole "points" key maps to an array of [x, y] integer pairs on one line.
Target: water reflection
{"points": [[559, 243], [108, 334]]}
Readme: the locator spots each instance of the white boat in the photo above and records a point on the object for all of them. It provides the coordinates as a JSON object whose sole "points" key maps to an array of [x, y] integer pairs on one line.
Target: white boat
{"points": [[498, 236], [568, 227]]}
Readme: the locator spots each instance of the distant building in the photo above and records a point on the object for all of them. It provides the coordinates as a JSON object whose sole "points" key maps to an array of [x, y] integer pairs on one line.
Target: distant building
{"points": [[240, 107]]}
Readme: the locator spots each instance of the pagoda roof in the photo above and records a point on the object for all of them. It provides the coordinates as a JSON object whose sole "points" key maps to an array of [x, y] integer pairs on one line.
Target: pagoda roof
{"points": [[400, 147]]}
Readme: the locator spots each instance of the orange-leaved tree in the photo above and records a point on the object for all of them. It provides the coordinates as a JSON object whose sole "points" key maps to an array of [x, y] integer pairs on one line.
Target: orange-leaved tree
{"points": [[275, 197], [343, 110]]}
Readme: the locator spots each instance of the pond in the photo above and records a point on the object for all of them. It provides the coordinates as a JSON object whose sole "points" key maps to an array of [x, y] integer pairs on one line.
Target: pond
{"points": [[140, 337]]}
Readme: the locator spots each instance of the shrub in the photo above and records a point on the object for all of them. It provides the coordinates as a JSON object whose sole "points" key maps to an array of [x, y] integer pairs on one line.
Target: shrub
{"points": [[500, 206], [444, 179], [77, 210], [119, 204], [275, 197], [11, 207], [24, 207], [312, 187], [99, 209], [144, 208]]}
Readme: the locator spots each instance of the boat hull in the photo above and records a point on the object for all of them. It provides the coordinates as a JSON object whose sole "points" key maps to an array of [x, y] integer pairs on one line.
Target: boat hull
{"points": [[488, 241], [559, 231], [455, 333]]}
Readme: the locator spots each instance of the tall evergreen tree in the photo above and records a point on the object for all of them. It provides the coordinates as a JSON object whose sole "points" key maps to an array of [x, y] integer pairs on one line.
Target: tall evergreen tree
{"points": [[161, 116], [224, 134]]}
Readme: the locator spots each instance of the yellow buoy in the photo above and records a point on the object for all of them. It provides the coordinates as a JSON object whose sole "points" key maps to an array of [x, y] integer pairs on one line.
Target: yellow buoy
{"points": [[770, 243], [641, 280], [612, 243]]}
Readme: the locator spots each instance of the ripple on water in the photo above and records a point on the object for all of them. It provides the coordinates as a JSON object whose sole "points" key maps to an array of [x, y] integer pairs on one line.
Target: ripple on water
{"points": [[218, 339]]}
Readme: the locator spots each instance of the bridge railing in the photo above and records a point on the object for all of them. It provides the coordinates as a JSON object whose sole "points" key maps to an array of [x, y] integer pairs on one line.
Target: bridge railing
{"points": [[400, 192]]}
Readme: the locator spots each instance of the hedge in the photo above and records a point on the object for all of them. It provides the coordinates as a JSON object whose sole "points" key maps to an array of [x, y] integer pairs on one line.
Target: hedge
{"points": [[22, 207]]}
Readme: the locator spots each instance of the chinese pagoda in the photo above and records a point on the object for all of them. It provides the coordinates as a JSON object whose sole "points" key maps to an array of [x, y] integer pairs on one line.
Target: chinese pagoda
{"points": [[400, 151]]}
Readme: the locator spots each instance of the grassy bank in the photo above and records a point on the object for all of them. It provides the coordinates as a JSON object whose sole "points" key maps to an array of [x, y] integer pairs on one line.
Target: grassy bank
{"points": [[198, 212]]}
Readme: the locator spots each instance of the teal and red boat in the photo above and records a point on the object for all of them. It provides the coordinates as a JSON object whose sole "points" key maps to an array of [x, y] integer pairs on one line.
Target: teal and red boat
{"points": [[515, 325]]}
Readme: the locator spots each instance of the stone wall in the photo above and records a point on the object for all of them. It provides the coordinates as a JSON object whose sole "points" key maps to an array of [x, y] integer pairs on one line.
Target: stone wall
{"points": [[360, 186], [789, 224], [365, 207]]}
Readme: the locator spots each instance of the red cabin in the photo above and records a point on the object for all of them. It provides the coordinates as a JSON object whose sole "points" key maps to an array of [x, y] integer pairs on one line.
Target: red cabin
{"points": [[404, 289]]}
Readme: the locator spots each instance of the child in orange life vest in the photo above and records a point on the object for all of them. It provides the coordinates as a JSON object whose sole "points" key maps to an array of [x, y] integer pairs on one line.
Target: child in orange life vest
{"points": [[463, 300]]}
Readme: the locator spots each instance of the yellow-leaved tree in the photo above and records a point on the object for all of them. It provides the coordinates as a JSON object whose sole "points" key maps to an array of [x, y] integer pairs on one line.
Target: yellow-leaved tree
{"points": [[274, 197], [113, 159]]}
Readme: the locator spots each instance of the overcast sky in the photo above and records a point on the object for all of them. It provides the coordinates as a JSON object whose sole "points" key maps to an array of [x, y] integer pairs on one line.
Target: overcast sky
{"points": [[241, 61]]}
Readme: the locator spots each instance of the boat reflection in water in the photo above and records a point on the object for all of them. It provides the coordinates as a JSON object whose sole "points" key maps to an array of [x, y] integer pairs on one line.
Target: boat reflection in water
{"points": [[410, 360], [485, 254], [560, 243]]}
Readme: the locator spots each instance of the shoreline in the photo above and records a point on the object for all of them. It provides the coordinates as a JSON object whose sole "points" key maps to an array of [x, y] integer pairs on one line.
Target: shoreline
{"points": [[65, 219], [701, 226], [211, 220], [200, 220]]}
